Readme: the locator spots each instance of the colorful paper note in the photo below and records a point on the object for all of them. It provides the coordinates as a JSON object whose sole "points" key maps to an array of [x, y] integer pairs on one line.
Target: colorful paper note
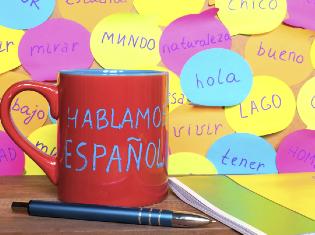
{"points": [[280, 54], [166, 11], [243, 153], [10, 78], [250, 16], [25, 14], [11, 156], [296, 152], [45, 139], [53, 46], [9, 44], [189, 164], [189, 35], [216, 77], [89, 13], [194, 129], [301, 13], [269, 108], [126, 41]]}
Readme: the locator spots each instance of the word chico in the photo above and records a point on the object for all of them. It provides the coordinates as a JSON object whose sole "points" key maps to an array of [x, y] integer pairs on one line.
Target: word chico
{"points": [[264, 105], [55, 48], [211, 81], [7, 155], [240, 162], [32, 3], [72, 2], [282, 55], [4, 46], [303, 155], [129, 40], [253, 4], [25, 110]]}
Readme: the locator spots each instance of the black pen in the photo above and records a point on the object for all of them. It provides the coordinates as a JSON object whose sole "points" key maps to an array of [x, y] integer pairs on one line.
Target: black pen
{"points": [[142, 216]]}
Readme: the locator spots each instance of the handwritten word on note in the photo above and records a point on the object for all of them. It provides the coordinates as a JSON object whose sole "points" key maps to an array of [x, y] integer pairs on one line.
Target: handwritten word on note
{"points": [[25, 14], [301, 13], [9, 44], [185, 163], [280, 54], [296, 153], [166, 11], [11, 157], [269, 108], [90, 12], [251, 16], [194, 129], [189, 35], [243, 153], [306, 103], [45, 139], [216, 77], [53, 46]]}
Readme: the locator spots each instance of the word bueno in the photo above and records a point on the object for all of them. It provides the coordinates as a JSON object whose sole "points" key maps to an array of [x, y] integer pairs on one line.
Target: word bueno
{"points": [[72, 2], [259, 4], [129, 40], [33, 3]]}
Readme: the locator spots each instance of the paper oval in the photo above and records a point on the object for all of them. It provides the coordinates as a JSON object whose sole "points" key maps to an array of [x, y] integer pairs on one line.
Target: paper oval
{"points": [[243, 153], [10, 78], [269, 108], [251, 17], [55, 45], [189, 35], [216, 77], [185, 163], [25, 14], [296, 152]]}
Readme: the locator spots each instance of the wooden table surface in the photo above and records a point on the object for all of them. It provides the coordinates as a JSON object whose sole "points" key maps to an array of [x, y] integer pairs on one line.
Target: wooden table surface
{"points": [[24, 188]]}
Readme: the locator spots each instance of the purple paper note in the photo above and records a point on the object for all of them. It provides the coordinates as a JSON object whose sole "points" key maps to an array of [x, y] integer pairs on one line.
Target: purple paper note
{"points": [[189, 35], [301, 13], [53, 46], [11, 157], [296, 153]]}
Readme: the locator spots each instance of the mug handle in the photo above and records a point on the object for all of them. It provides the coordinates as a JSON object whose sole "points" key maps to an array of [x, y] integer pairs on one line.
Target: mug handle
{"points": [[50, 92]]}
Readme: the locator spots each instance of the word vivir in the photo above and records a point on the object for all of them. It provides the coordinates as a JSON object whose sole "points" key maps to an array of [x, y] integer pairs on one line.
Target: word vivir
{"points": [[54, 48], [7, 155], [265, 103], [253, 4], [33, 3], [4, 46], [303, 155], [114, 158], [282, 55], [129, 40], [197, 130], [26, 111], [185, 43], [240, 162], [71, 2], [214, 81]]}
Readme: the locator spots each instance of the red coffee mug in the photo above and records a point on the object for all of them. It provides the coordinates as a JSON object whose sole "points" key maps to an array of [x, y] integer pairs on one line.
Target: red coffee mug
{"points": [[112, 135]]}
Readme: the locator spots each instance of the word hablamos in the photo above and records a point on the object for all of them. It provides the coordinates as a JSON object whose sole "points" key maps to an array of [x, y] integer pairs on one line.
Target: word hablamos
{"points": [[259, 4], [4, 46], [72, 2]]}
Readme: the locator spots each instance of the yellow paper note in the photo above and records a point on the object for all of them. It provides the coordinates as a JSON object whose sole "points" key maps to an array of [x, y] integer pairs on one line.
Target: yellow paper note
{"points": [[269, 108], [283, 53], [306, 103], [194, 129], [186, 163], [9, 44], [166, 11], [45, 139], [126, 41], [251, 16]]}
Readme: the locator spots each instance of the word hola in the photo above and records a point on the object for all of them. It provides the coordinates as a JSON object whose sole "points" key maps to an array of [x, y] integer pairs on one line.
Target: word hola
{"points": [[211, 81], [32, 3], [253, 5]]}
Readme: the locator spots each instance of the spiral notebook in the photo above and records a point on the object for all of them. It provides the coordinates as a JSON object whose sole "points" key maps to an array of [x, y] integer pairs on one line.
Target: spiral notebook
{"points": [[281, 204]]}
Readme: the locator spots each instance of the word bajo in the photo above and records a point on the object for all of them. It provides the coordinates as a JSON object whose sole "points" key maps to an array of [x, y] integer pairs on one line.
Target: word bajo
{"points": [[32, 2], [71, 2], [197, 130], [253, 4], [4, 46], [274, 103], [55, 48], [282, 55], [303, 155], [7, 154], [211, 81]]}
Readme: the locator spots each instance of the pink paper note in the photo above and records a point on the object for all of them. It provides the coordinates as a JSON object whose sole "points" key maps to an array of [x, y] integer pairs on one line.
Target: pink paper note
{"points": [[11, 157], [301, 13], [56, 45], [189, 35], [296, 153]]}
